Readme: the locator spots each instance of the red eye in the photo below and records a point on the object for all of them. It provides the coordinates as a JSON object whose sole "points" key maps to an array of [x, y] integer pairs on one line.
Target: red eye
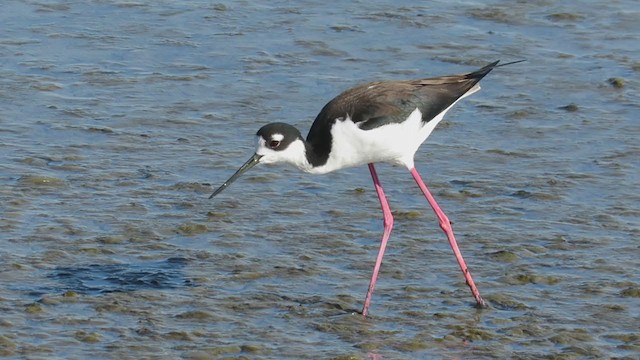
{"points": [[274, 144]]}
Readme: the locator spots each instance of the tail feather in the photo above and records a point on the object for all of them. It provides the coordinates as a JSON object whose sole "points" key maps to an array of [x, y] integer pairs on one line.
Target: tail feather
{"points": [[513, 62], [482, 72]]}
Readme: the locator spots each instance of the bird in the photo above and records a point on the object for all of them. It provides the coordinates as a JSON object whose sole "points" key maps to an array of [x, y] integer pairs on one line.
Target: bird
{"points": [[377, 122]]}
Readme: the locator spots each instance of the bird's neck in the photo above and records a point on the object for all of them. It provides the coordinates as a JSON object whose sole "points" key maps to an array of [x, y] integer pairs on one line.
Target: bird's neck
{"points": [[312, 157], [304, 156], [299, 154]]}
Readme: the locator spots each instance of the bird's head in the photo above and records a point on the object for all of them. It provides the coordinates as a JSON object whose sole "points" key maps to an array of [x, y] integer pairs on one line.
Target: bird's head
{"points": [[277, 143]]}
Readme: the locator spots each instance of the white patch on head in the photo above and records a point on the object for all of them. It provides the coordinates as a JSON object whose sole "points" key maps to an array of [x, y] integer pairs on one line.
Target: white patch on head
{"points": [[277, 137]]}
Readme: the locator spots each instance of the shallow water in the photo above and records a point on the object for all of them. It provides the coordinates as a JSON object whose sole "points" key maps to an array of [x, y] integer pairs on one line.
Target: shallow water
{"points": [[118, 118]]}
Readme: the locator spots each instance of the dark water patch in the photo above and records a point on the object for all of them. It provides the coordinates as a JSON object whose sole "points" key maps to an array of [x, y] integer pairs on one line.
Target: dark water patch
{"points": [[504, 256], [565, 16], [526, 194], [569, 108], [107, 278], [320, 48], [87, 337], [245, 351], [407, 214], [53, 8], [345, 28], [192, 228], [197, 315], [40, 181], [631, 292], [523, 279], [505, 302], [616, 82], [33, 308], [497, 14]]}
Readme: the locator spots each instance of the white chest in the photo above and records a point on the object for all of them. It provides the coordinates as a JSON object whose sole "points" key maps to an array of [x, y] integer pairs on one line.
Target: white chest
{"points": [[394, 143]]}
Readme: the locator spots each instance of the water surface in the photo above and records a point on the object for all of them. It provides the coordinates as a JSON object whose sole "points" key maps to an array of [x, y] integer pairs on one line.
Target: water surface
{"points": [[118, 118]]}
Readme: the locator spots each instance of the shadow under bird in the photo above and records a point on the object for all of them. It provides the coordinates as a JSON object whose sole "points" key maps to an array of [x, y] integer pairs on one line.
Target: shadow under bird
{"points": [[383, 121]]}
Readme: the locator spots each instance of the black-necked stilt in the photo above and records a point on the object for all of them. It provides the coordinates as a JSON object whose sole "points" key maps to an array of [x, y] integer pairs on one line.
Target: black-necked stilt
{"points": [[384, 121]]}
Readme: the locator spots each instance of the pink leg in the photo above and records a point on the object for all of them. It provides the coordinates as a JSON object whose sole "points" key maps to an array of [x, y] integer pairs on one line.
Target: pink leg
{"points": [[388, 225], [445, 224]]}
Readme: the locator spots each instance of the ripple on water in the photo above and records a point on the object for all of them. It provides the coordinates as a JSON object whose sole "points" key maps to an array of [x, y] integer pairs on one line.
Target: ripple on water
{"points": [[111, 131]]}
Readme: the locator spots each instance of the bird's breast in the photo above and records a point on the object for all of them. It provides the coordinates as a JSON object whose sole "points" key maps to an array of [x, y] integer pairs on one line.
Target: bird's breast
{"points": [[394, 143]]}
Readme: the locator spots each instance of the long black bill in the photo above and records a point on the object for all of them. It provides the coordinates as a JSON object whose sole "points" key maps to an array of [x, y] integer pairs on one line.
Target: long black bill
{"points": [[255, 159]]}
